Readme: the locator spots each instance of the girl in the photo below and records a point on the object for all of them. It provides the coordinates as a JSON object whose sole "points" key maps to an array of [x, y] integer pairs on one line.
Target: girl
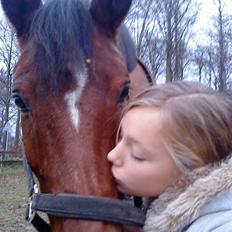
{"points": [[174, 147]]}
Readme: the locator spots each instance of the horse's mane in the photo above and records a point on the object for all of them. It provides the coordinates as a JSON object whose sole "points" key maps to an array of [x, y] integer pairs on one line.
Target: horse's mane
{"points": [[61, 30]]}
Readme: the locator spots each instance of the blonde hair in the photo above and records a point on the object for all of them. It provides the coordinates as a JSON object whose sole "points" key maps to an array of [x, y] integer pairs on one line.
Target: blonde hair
{"points": [[197, 122]]}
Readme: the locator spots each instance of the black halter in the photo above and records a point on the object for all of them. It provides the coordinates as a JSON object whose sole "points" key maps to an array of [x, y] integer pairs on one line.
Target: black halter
{"points": [[74, 206]]}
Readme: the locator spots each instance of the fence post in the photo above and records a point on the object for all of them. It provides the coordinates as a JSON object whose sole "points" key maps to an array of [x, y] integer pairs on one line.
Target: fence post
{"points": [[5, 146]]}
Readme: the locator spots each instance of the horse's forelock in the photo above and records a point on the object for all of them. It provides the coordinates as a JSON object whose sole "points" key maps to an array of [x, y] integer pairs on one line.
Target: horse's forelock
{"points": [[61, 31]]}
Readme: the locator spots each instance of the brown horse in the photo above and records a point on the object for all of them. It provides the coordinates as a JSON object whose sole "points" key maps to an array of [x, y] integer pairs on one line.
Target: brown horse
{"points": [[70, 81]]}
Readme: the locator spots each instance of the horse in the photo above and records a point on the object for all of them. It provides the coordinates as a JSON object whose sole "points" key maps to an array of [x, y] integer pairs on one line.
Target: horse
{"points": [[70, 83]]}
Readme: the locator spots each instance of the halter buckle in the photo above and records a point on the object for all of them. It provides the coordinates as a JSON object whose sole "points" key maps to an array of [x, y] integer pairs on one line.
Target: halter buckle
{"points": [[30, 213]]}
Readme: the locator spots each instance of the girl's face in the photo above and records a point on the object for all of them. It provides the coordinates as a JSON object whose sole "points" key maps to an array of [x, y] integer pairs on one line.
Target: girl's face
{"points": [[141, 165]]}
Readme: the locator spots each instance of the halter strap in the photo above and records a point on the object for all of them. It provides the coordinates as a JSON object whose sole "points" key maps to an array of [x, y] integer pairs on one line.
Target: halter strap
{"points": [[88, 207], [76, 206]]}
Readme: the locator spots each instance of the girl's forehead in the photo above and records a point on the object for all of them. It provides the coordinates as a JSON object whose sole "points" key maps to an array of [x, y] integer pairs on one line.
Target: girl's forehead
{"points": [[141, 121], [141, 114]]}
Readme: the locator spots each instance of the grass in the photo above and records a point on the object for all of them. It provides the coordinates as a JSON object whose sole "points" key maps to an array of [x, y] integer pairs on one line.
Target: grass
{"points": [[13, 200]]}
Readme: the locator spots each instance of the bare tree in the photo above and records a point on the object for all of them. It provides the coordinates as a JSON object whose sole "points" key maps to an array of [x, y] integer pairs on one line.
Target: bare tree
{"points": [[155, 48], [175, 20], [161, 30], [8, 58], [220, 49], [200, 60], [141, 23], [210, 71]]}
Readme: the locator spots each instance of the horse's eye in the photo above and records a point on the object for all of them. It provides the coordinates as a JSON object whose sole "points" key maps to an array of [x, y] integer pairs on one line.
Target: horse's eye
{"points": [[20, 102], [125, 92]]}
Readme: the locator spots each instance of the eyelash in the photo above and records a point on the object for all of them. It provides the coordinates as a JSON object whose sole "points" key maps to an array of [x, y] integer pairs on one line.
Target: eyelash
{"points": [[137, 158]]}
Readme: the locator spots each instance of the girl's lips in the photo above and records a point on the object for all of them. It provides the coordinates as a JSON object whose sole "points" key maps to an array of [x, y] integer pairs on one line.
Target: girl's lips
{"points": [[119, 185]]}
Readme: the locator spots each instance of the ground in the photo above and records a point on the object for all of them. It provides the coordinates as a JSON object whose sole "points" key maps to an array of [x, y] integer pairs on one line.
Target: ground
{"points": [[13, 199]]}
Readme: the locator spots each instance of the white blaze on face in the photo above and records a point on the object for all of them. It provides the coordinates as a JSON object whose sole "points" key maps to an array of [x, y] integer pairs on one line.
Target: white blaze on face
{"points": [[73, 97]]}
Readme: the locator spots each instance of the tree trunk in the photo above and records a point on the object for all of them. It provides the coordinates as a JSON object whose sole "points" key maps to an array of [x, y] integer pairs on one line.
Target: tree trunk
{"points": [[17, 130], [221, 68], [169, 45]]}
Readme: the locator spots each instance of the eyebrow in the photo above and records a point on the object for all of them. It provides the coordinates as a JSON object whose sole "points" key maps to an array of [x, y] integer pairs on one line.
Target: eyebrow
{"points": [[133, 141], [120, 133]]}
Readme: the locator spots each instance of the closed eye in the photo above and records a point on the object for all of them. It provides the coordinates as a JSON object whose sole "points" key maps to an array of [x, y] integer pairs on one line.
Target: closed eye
{"points": [[137, 158]]}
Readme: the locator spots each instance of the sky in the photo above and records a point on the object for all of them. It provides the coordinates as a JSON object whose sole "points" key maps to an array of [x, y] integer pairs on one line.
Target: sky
{"points": [[207, 10]]}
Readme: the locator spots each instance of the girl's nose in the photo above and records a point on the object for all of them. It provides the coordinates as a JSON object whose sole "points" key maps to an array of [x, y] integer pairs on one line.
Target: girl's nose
{"points": [[114, 157]]}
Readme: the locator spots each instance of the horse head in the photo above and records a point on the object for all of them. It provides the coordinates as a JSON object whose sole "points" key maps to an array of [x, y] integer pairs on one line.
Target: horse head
{"points": [[69, 83]]}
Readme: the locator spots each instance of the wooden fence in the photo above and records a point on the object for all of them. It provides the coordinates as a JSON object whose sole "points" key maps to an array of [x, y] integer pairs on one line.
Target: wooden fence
{"points": [[9, 157]]}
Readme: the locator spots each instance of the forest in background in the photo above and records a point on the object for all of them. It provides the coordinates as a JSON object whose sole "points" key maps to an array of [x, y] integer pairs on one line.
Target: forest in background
{"points": [[166, 42]]}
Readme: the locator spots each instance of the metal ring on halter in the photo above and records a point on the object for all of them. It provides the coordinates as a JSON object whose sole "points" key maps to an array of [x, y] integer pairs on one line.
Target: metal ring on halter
{"points": [[30, 214]]}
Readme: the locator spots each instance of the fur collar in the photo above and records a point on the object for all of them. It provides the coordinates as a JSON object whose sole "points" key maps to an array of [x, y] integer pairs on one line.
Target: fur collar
{"points": [[181, 203]]}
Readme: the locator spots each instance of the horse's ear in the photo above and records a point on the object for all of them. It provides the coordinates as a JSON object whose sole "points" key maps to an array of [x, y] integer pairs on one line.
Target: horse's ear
{"points": [[20, 13], [109, 14]]}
